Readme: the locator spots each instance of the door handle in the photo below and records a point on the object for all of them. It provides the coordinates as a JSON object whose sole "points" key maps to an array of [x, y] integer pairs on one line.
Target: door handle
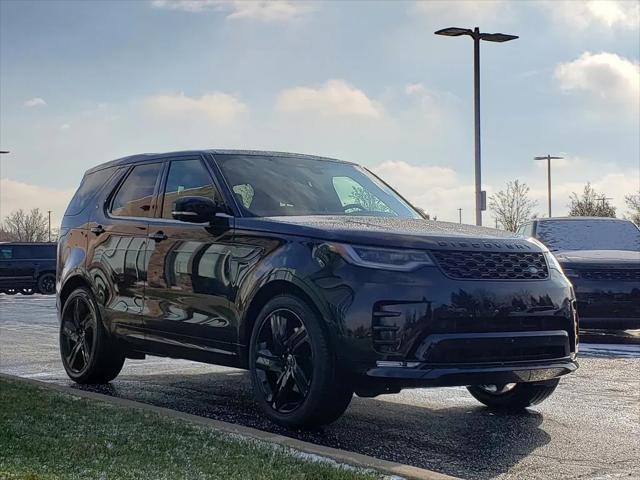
{"points": [[97, 230], [158, 236]]}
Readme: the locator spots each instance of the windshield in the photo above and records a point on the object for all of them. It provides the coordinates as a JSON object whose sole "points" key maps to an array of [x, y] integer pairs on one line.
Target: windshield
{"points": [[283, 186], [611, 234]]}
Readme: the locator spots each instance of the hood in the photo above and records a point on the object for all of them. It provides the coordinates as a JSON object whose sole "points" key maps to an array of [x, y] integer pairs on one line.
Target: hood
{"points": [[391, 232], [604, 258]]}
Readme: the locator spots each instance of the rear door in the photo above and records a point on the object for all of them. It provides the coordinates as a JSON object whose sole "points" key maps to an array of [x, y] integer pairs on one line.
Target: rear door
{"points": [[189, 285], [117, 247]]}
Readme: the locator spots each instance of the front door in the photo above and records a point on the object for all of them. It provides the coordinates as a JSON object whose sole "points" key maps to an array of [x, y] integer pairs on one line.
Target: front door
{"points": [[117, 249], [188, 289]]}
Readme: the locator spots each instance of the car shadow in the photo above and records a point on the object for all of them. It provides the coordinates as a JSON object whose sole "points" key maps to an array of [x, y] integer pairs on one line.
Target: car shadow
{"points": [[465, 440]]}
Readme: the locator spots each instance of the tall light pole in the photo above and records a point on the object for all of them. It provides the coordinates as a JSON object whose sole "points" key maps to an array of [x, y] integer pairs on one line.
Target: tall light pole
{"points": [[548, 158], [459, 215], [477, 36], [1, 152], [49, 212]]}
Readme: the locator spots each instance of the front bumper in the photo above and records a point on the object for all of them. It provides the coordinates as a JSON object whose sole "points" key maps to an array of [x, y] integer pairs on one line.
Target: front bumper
{"points": [[417, 374]]}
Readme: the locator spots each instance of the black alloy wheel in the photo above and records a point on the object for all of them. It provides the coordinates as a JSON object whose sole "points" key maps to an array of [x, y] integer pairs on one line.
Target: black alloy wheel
{"points": [[77, 334], [295, 371], [284, 360], [513, 396], [89, 354], [47, 284]]}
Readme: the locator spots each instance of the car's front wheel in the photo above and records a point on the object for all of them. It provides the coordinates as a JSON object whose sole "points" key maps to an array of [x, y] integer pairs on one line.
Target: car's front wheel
{"points": [[295, 376], [513, 396], [88, 354]]}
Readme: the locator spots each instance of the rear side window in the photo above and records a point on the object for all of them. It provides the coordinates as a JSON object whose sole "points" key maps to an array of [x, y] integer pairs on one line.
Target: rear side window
{"points": [[34, 251], [135, 196], [6, 253], [90, 184]]}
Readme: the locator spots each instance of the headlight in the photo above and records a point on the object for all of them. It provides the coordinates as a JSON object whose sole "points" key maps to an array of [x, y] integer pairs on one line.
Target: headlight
{"points": [[381, 258], [552, 261]]}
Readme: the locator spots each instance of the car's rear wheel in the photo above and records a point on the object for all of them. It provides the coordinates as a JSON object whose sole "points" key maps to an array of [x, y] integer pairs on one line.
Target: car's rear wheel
{"points": [[513, 396], [295, 376], [47, 284], [88, 354]]}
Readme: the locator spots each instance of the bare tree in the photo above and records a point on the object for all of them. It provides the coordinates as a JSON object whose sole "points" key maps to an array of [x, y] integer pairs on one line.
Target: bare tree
{"points": [[367, 200], [590, 204], [633, 204], [24, 226], [512, 207]]}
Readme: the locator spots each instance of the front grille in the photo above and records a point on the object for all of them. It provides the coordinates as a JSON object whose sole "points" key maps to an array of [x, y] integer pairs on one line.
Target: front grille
{"points": [[624, 275], [492, 265]]}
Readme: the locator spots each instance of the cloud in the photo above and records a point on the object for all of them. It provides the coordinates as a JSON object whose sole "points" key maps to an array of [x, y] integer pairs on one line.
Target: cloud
{"points": [[217, 107], [35, 102], [582, 15], [334, 98], [267, 11], [15, 195], [436, 189], [467, 12], [604, 76]]}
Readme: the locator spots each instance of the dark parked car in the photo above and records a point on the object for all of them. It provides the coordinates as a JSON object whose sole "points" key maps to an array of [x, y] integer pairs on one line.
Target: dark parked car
{"points": [[27, 268], [311, 273], [601, 257]]}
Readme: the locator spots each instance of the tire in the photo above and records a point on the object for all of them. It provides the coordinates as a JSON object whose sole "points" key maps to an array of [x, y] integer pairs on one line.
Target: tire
{"points": [[518, 397], [296, 380], [89, 354], [47, 284]]}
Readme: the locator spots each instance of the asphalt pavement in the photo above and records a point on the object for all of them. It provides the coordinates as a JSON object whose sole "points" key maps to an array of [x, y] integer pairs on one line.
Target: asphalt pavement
{"points": [[590, 427]]}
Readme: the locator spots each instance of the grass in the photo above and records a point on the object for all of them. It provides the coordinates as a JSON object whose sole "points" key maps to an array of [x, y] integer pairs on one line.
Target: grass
{"points": [[50, 435]]}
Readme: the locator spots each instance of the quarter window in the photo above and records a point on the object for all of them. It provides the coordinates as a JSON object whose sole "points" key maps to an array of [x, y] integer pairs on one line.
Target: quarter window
{"points": [[187, 178], [135, 197]]}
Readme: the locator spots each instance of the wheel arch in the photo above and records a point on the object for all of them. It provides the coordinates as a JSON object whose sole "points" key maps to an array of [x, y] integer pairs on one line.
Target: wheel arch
{"points": [[69, 286]]}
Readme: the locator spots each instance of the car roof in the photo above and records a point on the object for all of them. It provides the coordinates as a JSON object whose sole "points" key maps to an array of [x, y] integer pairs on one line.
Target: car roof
{"points": [[141, 157], [28, 243], [551, 219]]}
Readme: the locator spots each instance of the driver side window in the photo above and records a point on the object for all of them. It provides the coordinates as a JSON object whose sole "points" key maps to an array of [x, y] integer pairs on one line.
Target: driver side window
{"points": [[356, 197]]}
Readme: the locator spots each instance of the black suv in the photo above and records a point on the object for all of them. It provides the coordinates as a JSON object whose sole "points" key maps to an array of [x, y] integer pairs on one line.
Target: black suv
{"points": [[310, 272], [601, 258], [27, 268]]}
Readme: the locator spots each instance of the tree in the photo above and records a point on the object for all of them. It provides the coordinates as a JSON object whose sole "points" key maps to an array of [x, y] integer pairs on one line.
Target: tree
{"points": [[367, 200], [590, 204], [633, 204], [512, 207], [26, 227]]}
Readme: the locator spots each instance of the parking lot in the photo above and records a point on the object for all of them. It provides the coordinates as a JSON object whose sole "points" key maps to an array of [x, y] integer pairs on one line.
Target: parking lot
{"points": [[588, 429]]}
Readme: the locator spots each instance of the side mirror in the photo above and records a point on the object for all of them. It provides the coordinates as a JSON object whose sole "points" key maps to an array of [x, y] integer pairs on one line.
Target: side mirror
{"points": [[195, 209]]}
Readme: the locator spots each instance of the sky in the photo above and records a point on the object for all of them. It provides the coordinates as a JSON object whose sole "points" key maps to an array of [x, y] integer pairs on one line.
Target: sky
{"points": [[82, 83]]}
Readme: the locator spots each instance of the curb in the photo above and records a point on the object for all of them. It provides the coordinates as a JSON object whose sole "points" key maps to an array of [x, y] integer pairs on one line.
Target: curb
{"points": [[340, 456]]}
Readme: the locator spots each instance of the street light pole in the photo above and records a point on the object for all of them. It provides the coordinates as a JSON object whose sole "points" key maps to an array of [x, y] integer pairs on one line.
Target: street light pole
{"points": [[477, 37], [49, 212], [476, 116], [1, 152], [460, 215], [548, 158]]}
